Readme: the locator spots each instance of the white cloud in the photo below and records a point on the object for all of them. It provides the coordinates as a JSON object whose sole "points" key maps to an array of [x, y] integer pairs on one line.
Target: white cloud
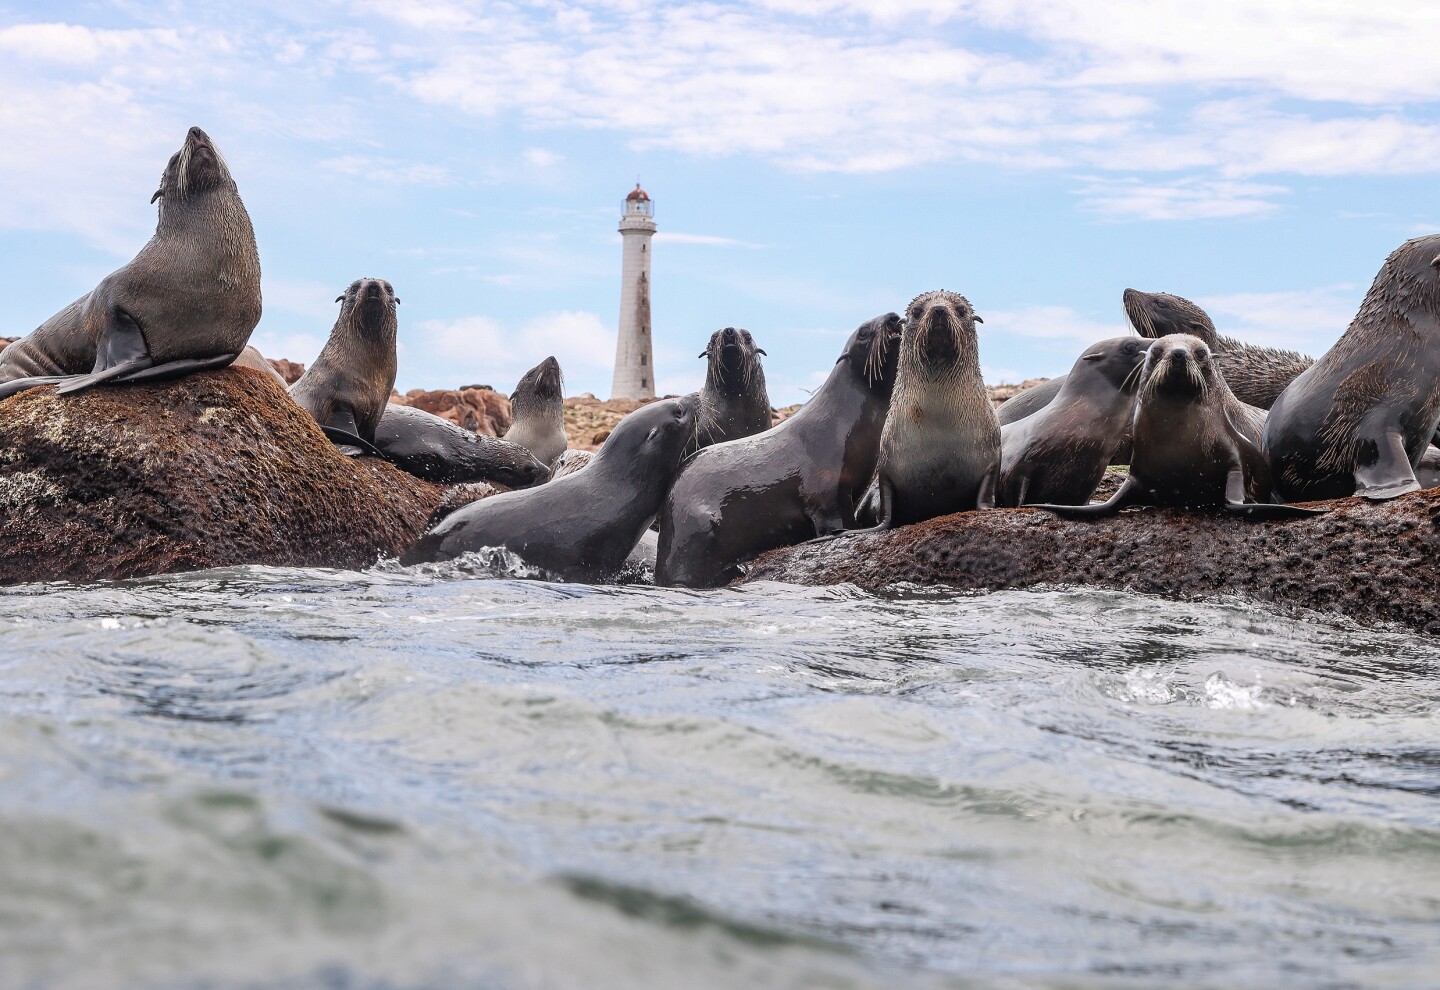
{"points": [[705, 240], [1048, 323], [389, 170], [1180, 199], [1309, 321], [480, 349], [543, 157]]}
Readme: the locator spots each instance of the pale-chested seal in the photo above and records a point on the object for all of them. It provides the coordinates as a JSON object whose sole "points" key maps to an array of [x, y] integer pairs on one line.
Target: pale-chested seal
{"points": [[737, 499], [537, 411], [349, 385], [437, 450], [188, 301], [940, 452], [733, 400], [1195, 443], [581, 527], [1359, 420], [1059, 454]]}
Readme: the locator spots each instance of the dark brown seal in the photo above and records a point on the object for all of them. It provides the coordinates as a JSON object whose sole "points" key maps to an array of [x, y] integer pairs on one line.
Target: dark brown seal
{"points": [[940, 452], [1196, 445], [188, 301], [584, 526], [737, 499], [437, 450], [1360, 419], [1059, 454], [537, 411], [733, 400], [349, 385]]}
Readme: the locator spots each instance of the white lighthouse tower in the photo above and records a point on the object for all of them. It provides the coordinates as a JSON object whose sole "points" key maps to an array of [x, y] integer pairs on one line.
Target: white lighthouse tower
{"points": [[634, 356]]}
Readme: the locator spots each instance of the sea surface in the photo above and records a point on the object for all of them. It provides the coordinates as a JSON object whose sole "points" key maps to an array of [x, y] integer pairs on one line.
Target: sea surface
{"points": [[442, 778]]}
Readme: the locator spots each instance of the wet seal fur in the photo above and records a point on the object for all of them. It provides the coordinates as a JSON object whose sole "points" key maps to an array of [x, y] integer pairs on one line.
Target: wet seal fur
{"points": [[1059, 454], [733, 401], [349, 385], [584, 526], [537, 411], [1359, 420], [940, 451], [798, 480], [437, 450], [1196, 445], [188, 300]]}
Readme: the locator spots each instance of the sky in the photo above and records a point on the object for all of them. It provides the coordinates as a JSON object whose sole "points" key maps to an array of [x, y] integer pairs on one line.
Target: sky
{"points": [[813, 163]]}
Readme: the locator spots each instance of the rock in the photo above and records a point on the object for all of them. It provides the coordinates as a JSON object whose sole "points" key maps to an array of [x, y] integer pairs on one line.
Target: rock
{"points": [[288, 370], [7, 341], [480, 410], [212, 470], [1373, 562]]}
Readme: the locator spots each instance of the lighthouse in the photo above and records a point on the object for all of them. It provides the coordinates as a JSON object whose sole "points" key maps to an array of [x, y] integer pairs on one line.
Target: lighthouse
{"points": [[634, 356]]}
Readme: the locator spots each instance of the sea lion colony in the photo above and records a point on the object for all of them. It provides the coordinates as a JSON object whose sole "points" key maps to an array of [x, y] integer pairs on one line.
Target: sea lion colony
{"points": [[900, 432]]}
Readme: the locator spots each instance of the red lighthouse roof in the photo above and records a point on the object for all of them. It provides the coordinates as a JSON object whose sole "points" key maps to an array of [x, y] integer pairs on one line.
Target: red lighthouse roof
{"points": [[637, 193]]}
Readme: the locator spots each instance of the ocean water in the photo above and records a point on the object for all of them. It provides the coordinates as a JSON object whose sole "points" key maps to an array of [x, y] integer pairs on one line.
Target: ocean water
{"points": [[437, 778]]}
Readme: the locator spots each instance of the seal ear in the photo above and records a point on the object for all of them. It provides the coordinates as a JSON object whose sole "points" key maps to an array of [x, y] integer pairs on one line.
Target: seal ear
{"points": [[761, 350], [158, 193], [703, 353], [340, 297], [977, 317]]}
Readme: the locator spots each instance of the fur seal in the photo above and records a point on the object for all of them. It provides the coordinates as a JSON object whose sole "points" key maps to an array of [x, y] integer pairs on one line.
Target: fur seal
{"points": [[582, 527], [798, 480], [188, 301], [437, 450], [1196, 445], [940, 451], [537, 411], [733, 400], [1358, 421], [349, 385], [251, 358], [571, 461], [1059, 454]]}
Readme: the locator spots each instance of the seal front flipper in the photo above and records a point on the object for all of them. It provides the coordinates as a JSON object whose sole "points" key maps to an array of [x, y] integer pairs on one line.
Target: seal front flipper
{"points": [[121, 350], [16, 385], [1390, 474], [1128, 495], [1261, 511], [345, 434], [178, 368]]}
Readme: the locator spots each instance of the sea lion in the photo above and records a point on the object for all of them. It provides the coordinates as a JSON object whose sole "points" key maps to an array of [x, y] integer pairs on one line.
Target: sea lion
{"points": [[940, 451], [582, 527], [537, 411], [1196, 445], [798, 480], [437, 450], [187, 301], [1060, 453], [1358, 421], [349, 385], [733, 400]]}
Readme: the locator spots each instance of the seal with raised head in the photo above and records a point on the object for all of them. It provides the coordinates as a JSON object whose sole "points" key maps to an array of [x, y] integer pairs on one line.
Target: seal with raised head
{"points": [[537, 412], [733, 400], [1059, 454], [437, 450], [584, 526], [735, 500], [188, 300], [348, 387], [1358, 421], [940, 452], [1196, 445]]}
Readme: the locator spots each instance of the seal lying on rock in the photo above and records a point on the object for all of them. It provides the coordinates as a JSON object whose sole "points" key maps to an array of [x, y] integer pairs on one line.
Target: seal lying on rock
{"points": [[1195, 443], [581, 527], [348, 386], [733, 400], [1360, 419], [1059, 454], [537, 409], [437, 450], [188, 301], [798, 480], [940, 451]]}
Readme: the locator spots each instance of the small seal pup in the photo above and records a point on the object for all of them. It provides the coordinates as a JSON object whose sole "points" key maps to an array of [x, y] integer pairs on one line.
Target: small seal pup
{"points": [[798, 480], [1358, 421], [437, 450], [1059, 454], [940, 451], [733, 400], [584, 526], [537, 411], [348, 387], [1195, 443], [188, 301]]}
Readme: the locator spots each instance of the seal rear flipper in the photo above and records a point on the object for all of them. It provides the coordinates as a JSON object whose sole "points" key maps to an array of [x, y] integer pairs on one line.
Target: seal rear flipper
{"points": [[177, 369], [1261, 511], [1128, 495], [985, 499], [350, 444], [18, 385], [79, 383], [1391, 475]]}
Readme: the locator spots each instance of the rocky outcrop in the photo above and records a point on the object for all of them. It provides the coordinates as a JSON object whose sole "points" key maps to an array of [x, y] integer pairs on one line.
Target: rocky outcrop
{"points": [[288, 370], [476, 407], [215, 469], [1373, 562]]}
